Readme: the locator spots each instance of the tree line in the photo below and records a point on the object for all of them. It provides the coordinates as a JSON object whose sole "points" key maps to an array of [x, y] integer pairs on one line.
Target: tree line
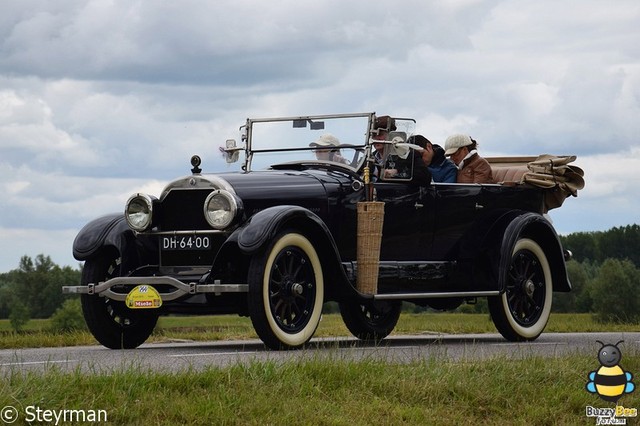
{"points": [[34, 289], [604, 273]]}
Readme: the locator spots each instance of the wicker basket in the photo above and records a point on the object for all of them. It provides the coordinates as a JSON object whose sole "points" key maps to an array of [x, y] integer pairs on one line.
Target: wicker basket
{"points": [[370, 220]]}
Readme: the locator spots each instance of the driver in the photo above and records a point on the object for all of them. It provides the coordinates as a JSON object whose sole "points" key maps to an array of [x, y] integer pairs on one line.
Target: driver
{"points": [[325, 149], [416, 168]]}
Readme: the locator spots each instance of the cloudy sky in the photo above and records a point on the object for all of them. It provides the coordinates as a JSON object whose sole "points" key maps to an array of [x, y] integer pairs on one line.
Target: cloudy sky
{"points": [[102, 98]]}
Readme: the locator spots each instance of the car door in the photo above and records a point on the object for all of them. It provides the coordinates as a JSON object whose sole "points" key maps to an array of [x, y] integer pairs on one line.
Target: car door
{"points": [[408, 223], [457, 206]]}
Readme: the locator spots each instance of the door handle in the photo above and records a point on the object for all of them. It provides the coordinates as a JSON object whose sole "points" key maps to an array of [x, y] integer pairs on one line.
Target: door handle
{"points": [[418, 205], [479, 206]]}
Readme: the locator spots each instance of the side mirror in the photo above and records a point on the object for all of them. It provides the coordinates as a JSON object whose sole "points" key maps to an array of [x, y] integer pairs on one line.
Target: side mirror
{"points": [[231, 152], [397, 136]]}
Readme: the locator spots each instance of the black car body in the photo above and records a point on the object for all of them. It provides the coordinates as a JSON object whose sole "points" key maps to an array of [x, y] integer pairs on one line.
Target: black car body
{"points": [[277, 239]]}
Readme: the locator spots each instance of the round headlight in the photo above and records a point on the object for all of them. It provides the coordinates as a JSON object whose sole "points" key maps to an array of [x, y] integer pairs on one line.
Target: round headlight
{"points": [[220, 209], [139, 212]]}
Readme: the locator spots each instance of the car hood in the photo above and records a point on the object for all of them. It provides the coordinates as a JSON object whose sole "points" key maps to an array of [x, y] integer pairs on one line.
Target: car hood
{"points": [[264, 188]]}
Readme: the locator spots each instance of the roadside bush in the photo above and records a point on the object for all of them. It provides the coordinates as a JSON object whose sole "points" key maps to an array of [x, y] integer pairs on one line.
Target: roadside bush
{"points": [[68, 317], [19, 316], [615, 292]]}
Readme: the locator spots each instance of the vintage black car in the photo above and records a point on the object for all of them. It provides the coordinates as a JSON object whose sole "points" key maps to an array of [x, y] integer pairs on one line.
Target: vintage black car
{"points": [[312, 216]]}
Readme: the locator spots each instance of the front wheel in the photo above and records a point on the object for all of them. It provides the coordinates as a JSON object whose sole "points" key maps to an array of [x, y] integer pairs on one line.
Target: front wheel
{"points": [[370, 321], [522, 311], [286, 291], [111, 322]]}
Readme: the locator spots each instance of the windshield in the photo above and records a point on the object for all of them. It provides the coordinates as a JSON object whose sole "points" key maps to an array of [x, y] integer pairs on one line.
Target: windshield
{"points": [[338, 140]]}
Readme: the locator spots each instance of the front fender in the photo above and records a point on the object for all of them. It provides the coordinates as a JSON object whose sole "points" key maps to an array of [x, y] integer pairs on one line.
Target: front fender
{"points": [[539, 229], [264, 225], [110, 230]]}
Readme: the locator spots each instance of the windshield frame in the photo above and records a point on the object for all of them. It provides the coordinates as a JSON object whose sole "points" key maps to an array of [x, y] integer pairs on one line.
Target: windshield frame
{"points": [[250, 149]]}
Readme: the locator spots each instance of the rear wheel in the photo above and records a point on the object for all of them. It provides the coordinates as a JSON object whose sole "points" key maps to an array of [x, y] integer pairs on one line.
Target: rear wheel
{"points": [[371, 321], [522, 311], [111, 322], [286, 291]]}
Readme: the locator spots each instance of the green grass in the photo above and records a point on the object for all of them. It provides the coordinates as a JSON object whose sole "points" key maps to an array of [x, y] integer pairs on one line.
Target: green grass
{"points": [[226, 327], [533, 391]]}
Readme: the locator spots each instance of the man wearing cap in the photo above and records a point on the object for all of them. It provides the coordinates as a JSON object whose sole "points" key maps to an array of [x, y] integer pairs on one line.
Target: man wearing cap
{"points": [[326, 149], [471, 167]]}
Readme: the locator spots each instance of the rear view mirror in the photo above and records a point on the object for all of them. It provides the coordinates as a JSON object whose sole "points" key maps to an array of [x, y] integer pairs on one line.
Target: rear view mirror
{"points": [[314, 125]]}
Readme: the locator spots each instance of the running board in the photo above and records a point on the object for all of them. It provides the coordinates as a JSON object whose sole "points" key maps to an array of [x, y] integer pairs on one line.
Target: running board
{"points": [[405, 296]]}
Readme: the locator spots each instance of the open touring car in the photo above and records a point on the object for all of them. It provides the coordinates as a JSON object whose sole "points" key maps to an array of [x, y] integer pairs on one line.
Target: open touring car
{"points": [[295, 227]]}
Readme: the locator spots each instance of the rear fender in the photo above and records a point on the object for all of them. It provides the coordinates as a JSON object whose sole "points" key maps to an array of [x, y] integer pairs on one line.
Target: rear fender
{"points": [[539, 229]]}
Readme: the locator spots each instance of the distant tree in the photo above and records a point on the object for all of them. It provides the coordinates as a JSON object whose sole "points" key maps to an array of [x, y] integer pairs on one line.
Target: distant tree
{"points": [[578, 299], [37, 285], [615, 292], [583, 245], [621, 243], [617, 243]]}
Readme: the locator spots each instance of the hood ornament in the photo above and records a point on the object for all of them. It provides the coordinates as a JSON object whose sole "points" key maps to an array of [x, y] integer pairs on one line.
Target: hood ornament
{"points": [[195, 162]]}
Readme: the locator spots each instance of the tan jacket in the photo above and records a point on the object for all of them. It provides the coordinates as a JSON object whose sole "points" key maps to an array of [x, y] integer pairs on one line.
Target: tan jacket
{"points": [[475, 170]]}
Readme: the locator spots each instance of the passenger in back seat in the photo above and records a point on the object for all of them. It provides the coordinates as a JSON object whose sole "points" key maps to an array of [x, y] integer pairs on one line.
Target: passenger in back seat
{"points": [[442, 169], [471, 167]]}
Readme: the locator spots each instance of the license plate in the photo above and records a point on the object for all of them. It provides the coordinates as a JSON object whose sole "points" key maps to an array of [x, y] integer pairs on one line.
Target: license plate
{"points": [[187, 242]]}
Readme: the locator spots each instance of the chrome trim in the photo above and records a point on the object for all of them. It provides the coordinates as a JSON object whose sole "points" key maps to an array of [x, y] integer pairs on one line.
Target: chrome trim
{"points": [[395, 296], [205, 181], [194, 232], [181, 289]]}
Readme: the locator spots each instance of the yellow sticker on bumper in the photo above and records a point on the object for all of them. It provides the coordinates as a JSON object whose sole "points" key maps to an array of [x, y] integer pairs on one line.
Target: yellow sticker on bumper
{"points": [[143, 297]]}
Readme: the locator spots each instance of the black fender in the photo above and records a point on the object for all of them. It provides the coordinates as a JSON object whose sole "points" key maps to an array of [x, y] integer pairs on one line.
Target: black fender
{"points": [[263, 226], [110, 232], [539, 229]]}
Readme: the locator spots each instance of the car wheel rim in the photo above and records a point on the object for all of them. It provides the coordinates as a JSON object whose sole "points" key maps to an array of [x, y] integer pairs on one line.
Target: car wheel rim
{"points": [[117, 311], [292, 289], [526, 288]]}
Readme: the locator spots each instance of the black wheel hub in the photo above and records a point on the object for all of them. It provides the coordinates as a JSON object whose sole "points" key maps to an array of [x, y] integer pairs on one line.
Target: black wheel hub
{"points": [[526, 288], [292, 289]]}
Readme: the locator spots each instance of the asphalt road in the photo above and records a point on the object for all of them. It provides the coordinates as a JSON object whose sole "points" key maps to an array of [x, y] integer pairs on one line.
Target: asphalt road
{"points": [[176, 356]]}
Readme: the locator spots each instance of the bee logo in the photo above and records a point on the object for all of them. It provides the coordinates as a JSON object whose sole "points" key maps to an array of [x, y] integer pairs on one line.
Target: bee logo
{"points": [[610, 381]]}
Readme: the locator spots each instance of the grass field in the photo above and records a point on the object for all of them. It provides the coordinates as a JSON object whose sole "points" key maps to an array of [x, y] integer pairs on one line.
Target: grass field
{"points": [[532, 391], [308, 391]]}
